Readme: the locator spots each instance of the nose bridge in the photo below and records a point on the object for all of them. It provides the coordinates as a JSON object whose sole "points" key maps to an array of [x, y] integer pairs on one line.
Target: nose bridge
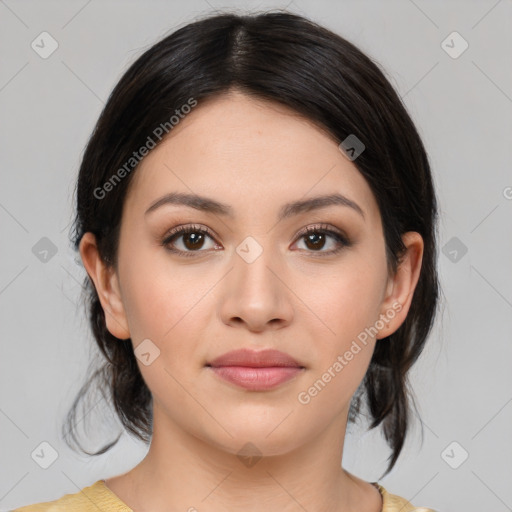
{"points": [[253, 262], [253, 291]]}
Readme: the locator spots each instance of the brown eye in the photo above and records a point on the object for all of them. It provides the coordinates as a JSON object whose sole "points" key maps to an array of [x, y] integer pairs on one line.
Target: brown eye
{"points": [[193, 239], [316, 238]]}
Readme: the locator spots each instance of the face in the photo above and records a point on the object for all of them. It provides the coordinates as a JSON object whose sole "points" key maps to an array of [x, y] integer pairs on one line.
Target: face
{"points": [[250, 277]]}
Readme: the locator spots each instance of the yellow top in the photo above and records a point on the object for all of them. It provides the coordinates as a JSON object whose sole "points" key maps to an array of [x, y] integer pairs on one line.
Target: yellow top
{"points": [[99, 497]]}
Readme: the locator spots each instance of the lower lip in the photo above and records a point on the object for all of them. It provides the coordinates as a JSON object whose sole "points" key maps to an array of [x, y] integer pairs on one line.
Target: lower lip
{"points": [[256, 379]]}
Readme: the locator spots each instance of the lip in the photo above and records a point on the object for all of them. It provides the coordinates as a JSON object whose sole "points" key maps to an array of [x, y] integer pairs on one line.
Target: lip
{"points": [[255, 359], [256, 370]]}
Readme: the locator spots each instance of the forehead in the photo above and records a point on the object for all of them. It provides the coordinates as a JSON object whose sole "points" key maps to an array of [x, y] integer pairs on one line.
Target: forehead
{"points": [[249, 153]]}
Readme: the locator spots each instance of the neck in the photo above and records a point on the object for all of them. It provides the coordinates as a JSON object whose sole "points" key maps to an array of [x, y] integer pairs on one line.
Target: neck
{"points": [[183, 472]]}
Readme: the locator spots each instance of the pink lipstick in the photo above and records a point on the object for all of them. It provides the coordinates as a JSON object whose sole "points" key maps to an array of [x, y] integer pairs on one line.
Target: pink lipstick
{"points": [[256, 370]]}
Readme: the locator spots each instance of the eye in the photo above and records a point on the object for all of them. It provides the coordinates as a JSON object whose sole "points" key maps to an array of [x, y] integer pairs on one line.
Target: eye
{"points": [[315, 239], [193, 239]]}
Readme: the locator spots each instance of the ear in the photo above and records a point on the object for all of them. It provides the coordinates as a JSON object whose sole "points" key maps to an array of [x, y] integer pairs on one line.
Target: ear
{"points": [[107, 286], [400, 287]]}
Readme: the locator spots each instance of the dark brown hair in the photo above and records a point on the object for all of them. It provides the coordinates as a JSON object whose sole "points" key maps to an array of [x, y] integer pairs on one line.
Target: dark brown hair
{"points": [[285, 58]]}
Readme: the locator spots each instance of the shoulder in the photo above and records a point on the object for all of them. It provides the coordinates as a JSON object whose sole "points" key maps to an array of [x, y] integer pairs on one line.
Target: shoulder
{"points": [[394, 503], [89, 499]]}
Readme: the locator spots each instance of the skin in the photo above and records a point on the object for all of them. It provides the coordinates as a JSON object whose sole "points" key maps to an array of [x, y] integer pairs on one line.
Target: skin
{"points": [[255, 156]]}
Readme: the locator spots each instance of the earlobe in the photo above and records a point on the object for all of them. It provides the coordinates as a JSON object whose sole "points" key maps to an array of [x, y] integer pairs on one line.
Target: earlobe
{"points": [[401, 286], [106, 283]]}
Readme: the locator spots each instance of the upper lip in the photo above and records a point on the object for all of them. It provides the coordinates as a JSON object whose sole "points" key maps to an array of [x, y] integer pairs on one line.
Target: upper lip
{"points": [[255, 359]]}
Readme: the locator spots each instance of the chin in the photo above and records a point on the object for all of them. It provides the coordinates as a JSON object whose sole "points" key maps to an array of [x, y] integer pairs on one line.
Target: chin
{"points": [[263, 441]]}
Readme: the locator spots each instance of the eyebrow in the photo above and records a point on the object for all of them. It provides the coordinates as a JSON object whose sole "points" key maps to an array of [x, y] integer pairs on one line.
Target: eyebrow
{"points": [[209, 205]]}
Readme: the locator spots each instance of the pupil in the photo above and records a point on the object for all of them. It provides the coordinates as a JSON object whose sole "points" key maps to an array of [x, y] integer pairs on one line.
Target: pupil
{"points": [[318, 242], [196, 240]]}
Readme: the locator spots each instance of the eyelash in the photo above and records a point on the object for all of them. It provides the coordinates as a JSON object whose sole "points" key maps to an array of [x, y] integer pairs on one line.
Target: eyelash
{"points": [[321, 228]]}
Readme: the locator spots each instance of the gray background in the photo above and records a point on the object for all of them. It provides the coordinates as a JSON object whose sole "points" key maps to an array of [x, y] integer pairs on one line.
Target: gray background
{"points": [[462, 107]]}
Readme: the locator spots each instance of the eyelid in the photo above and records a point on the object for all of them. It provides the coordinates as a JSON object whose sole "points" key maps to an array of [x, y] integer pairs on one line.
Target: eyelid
{"points": [[322, 227], [191, 227]]}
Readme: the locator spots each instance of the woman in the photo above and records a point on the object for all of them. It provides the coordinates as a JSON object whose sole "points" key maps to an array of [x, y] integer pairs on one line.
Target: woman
{"points": [[257, 218]]}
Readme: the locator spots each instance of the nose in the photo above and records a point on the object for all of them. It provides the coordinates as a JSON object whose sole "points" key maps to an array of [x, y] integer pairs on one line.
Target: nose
{"points": [[254, 293]]}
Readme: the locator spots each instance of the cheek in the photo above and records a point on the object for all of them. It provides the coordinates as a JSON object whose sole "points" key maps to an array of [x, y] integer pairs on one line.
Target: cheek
{"points": [[346, 304], [158, 295], [170, 309], [347, 298]]}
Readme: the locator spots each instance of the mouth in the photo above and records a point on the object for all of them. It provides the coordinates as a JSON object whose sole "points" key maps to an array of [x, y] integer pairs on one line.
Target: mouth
{"points": [[256, 370]]}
